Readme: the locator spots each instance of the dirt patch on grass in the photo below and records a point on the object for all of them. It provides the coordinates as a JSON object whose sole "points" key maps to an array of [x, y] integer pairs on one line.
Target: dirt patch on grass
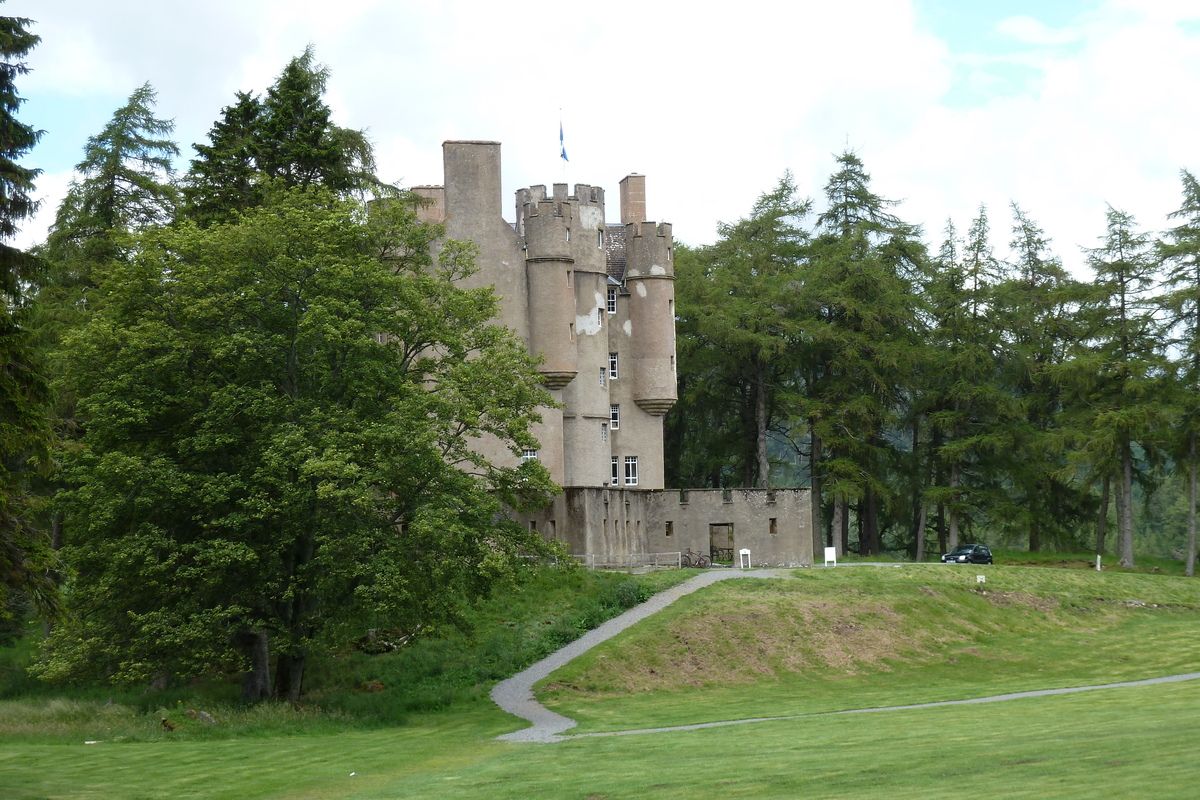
{"points": [[1022, 600]]}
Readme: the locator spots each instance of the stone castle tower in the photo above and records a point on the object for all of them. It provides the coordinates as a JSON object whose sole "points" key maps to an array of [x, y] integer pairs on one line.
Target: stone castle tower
{"points": [[595, 301]]}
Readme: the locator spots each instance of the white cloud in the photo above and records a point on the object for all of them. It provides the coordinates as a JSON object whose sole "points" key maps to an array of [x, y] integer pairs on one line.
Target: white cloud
{"points": [[1031, 31], [711, 102]]}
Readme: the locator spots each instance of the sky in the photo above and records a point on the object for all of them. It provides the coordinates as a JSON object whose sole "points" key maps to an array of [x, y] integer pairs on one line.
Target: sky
{"points": [[1062, 106]]}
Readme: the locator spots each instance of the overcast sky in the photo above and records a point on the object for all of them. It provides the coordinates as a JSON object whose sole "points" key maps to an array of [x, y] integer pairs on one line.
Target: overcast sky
{"points": [[1060, 105]]}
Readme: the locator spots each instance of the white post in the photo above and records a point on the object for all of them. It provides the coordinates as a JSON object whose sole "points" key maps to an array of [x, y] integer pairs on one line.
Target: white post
{"points": [[1097, 562]]}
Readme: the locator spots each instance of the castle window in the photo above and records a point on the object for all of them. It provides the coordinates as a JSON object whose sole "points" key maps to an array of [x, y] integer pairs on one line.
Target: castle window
{"points": [[529, 455], [614, 416], [533, 525], [603, 373], [670, 528], [774, 527], [600, 238], [612, 366], [612, 299], [568, 277], [668, 254], [616, 471], [569, 239], [631, 474], [604, 431]]}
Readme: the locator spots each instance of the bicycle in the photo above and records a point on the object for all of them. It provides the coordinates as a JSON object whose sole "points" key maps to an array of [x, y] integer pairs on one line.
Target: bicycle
{"points": [[692, 559]]}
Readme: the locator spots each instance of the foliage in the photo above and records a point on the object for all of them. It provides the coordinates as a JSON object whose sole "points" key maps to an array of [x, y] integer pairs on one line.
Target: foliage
{"points": [[737, 328], [286, 138], [125, 186], [25, 434], [280, 417]]}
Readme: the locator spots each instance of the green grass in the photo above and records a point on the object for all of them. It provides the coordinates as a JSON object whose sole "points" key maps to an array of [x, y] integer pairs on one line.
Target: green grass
{"points": [[1130, 743], [879, 636], [543, 611], [918, 634]]}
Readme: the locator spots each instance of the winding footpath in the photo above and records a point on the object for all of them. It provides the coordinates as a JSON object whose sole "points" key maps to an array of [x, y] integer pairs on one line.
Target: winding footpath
{"points": [[515, 695]]}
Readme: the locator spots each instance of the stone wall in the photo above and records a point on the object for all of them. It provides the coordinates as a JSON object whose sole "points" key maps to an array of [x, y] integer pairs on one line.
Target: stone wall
{"points": [[774, 524]]}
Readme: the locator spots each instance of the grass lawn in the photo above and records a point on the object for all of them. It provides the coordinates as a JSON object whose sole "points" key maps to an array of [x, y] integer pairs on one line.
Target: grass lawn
{"points": [[820, 641], [1127, 743]]}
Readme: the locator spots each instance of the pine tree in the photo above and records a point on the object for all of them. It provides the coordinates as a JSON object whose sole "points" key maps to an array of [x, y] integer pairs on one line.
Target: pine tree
{"points": [[25, 435], [287, 138], [222, 181]]}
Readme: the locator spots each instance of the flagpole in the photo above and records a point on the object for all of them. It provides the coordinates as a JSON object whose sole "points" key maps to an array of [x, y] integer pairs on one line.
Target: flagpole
{"points": [[562, 147]]}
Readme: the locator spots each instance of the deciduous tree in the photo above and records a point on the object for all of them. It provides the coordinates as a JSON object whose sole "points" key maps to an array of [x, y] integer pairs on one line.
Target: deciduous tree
{"points": [[281, 417]]}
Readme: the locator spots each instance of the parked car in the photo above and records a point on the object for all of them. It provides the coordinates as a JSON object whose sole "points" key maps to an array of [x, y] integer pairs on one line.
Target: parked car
{"points": [[968, 554]]}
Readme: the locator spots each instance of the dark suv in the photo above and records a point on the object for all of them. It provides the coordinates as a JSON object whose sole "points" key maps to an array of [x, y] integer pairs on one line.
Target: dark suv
{"points": [[968, 554]]}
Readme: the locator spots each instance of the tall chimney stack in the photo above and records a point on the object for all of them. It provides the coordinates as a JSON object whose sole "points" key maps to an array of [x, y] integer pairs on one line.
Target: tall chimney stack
{"points": [[633, 199]]}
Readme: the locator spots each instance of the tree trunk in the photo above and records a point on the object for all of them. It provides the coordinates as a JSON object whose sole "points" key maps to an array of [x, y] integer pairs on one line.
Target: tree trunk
{"points": [[940, 521], [869, 538], [760, 431], [1190, 569], [289, 675], [1102, 521], [953, 533], [838, 525], [844, 531], [1125, 527], [814, 495], [256, 681], [924, 514]]}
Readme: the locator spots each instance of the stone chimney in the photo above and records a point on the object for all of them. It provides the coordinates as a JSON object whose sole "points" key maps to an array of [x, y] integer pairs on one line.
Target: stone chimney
{"points": [[633, 199]]}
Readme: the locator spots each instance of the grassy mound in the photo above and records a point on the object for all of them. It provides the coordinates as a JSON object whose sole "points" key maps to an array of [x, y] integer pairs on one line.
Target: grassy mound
{"points": [[873, 636]]}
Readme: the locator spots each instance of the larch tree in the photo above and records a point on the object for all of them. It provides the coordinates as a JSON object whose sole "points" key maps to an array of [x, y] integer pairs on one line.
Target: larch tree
{"points": [[1180, 252], [1037, 312], [740, 331], [859, 337], [1123, 368]]}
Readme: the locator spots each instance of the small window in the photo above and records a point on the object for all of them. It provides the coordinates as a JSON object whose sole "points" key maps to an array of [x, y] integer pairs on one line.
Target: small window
{"points": [[670, 528], [603, 374], [612, 299], [668, 251], [604, 431], [631, 471], [568, 277], [774, 527], [533, 525], [529, 455], [612, 366], [614, 417], [616, 471], [569, 239], [600, 238]]}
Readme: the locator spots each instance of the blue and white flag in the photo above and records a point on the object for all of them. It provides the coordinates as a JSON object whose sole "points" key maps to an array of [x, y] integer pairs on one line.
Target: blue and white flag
{"points": [[562, 147]]}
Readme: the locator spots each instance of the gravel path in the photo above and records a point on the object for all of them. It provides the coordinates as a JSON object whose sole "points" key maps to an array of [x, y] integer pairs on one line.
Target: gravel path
{"points": [[515, 695]]}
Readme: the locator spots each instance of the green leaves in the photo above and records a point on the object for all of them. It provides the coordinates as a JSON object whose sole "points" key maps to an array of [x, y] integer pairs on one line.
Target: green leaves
{"points": [[282, 416]]}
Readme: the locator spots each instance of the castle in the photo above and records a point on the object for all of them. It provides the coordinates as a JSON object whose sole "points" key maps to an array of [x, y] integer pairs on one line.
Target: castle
{"points": [[597, 302]]}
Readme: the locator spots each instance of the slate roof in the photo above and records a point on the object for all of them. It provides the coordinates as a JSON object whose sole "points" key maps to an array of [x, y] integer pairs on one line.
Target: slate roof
{"points": [[614, 246]]}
